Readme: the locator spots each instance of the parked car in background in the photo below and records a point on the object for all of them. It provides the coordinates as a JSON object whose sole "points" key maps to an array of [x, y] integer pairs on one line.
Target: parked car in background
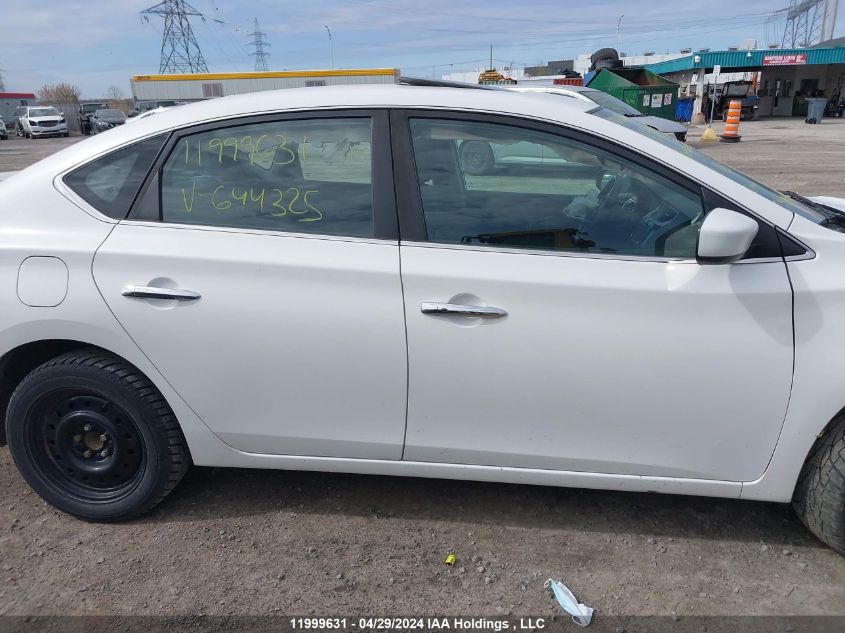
{"points": [[16, 120], [134, 115], [4, 133], [103, 120], [310, 280], [146, 106], [591, 95], [38, 121], [85, 113]]}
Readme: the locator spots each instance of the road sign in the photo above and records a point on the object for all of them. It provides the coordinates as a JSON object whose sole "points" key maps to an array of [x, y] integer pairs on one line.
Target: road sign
{"points": [[717, 70]]}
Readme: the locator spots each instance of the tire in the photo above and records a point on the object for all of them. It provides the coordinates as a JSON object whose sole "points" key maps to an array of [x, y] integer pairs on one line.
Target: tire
{"points": [[819, 498], [94, 438], [477, 158], [604, 53], [65, 134], [609, 63]]}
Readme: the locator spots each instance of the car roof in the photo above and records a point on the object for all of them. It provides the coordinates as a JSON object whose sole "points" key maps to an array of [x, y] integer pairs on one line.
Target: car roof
{"points": [[535, 106]]}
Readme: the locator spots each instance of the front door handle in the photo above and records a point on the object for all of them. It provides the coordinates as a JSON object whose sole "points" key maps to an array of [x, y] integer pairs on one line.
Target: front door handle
{"points": [[167, 294], [463, 310]]}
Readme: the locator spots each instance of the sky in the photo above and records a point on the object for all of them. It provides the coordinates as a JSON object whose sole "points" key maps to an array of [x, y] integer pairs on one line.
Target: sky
{"points": [[96, 45]]}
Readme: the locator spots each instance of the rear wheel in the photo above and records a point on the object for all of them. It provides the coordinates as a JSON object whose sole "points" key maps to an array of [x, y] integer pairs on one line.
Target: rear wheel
{"points": [[819, 498], [93, 437]]}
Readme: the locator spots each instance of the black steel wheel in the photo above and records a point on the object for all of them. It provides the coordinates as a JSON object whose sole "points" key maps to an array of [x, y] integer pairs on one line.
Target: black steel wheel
{"points": [[94, 437], [87, 445]]}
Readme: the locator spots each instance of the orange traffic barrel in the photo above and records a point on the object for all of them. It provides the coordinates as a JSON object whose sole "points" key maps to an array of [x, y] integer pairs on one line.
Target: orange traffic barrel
{"points": [[731, 132]]}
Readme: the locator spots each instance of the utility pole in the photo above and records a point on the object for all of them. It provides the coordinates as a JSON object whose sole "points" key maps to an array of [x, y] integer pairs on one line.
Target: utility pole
{"points": [[331, 48], [491, 57], [180, 52], [258, 42]]}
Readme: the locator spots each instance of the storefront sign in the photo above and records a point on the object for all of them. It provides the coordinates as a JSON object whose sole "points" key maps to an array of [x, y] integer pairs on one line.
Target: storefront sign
{"points": [[785, 60]]}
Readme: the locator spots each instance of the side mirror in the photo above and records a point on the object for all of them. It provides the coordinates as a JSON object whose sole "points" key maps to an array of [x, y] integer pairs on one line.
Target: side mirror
{"points": [[725, 236]]}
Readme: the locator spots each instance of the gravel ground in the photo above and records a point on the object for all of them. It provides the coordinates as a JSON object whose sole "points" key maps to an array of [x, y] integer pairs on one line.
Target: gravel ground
{"points": [[254, 542]]}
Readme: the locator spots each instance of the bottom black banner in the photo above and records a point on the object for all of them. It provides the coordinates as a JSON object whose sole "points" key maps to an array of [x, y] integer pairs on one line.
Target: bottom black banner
{"points": [[410, 624]]}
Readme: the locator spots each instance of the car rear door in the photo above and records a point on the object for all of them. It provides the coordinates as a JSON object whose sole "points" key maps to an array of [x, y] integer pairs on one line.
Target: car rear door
{"points": [[259, 272], [557, 317]]}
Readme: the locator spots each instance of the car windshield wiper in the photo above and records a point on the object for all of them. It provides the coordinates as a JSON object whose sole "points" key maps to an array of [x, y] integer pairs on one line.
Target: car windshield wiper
{"points": [[830, 217], [632, 115], [817, 206]]}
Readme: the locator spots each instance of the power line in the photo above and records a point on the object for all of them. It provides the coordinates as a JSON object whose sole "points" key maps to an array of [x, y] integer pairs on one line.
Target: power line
{"points": [[258, 43], [809, 22], [180, 52]]}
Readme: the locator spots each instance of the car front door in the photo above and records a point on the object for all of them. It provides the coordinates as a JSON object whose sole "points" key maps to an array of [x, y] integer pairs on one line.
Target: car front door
{"points": [[259, 271], [557, 317]]}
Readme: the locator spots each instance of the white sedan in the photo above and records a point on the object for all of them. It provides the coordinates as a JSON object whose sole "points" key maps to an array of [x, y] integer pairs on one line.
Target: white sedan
{"points": [[308, 279]]}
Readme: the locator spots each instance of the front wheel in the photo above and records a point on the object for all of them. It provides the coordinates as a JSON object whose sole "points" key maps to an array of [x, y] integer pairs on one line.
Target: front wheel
{"points": [[819, 498], [93, 437]]}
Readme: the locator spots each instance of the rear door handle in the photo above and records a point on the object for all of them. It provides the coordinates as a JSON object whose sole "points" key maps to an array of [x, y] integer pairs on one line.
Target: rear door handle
{"points": [[463, 310], [167, 294]]}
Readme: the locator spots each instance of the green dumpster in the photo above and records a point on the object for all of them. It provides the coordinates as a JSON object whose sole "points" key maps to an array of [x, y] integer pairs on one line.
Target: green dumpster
{"points": [[640, 88]]}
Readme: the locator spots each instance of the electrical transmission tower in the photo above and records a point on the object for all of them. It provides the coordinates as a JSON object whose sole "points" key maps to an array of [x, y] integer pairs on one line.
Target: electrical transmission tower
{"points": [[809, 22], [180, 52], [259, 43]]}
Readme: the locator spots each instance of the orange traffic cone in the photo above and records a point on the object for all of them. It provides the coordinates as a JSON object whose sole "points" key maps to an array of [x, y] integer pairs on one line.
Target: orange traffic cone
{"points": [[731, 131]]}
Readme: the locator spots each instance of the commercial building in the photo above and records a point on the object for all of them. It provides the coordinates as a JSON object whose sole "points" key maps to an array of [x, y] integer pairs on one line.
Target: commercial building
{"points": [[208, 85], [786, 76], [11, 100]]}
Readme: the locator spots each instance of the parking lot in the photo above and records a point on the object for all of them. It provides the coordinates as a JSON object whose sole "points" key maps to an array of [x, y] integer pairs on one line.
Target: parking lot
{"points": [[266, 542]]}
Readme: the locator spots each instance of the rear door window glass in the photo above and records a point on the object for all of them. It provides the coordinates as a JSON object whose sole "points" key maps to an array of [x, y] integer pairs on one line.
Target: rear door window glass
{"points": [[303, 176]]}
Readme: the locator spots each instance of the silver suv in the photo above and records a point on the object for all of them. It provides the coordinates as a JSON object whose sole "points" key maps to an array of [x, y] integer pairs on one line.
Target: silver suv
{"points": [[39, 121]]}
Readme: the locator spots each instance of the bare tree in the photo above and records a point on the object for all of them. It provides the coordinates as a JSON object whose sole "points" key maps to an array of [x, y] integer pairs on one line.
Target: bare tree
{"points": [[113, 93], [59, 93]]}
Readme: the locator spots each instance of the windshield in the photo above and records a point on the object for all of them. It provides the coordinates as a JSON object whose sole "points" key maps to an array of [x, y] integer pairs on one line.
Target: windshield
{"points": [[92, 107], [611, 103], [736, 90], [784, 200], [110, 114], [43, 112]]}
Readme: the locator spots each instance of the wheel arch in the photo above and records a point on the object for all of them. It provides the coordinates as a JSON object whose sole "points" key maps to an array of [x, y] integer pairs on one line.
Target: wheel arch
{"points": [[16, 363], [817, 442]]}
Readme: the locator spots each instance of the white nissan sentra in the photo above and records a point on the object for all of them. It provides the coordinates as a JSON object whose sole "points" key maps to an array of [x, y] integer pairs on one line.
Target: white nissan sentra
{"points": [[309, 279]]}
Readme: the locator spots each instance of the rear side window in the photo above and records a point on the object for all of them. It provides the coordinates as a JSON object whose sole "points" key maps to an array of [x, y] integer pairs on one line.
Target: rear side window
{"points": [[110, 183]]}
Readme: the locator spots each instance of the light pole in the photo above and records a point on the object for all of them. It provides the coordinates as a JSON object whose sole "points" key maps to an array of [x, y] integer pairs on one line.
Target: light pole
{"points": [[331, 48], [618, 24]]}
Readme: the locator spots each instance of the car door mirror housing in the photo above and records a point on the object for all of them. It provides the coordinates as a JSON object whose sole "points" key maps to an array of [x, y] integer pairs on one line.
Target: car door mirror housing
{"points": [[725, 236]]}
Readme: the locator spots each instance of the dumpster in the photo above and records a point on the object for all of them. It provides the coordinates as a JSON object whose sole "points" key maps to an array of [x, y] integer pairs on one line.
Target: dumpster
{"points": [[815, 109], [640, 88]]}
